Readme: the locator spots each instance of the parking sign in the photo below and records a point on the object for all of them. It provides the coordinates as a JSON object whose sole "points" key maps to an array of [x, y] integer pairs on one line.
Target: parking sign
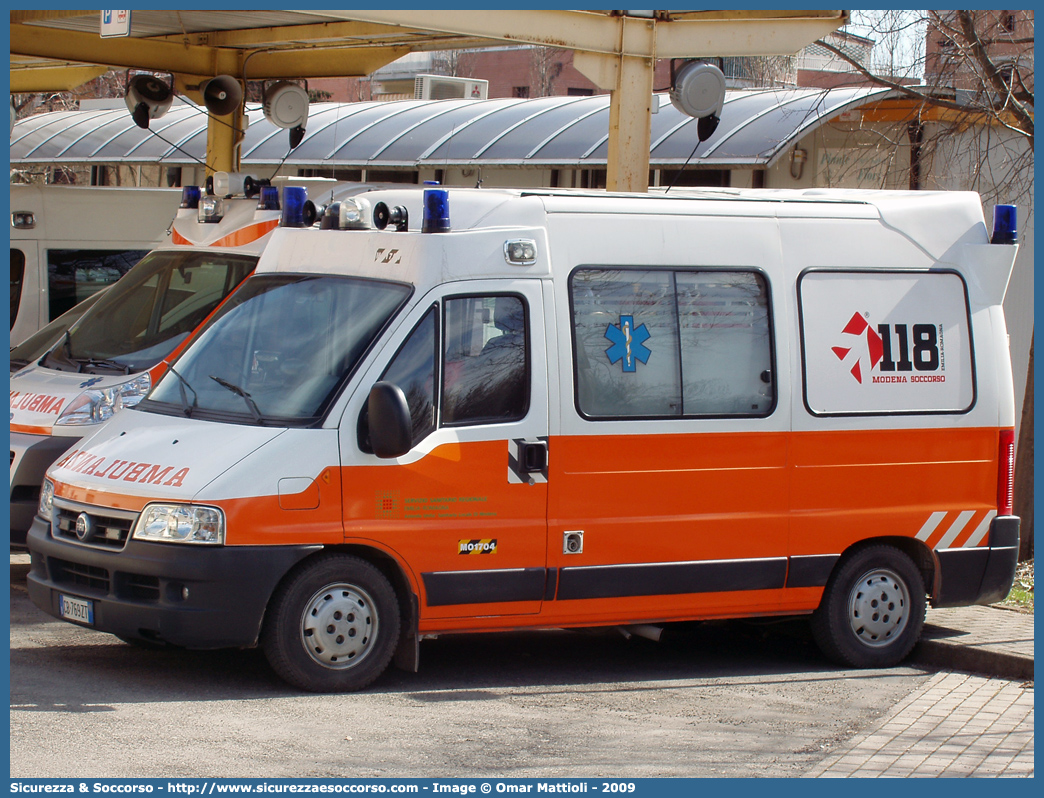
{"points": [[115, 23]]}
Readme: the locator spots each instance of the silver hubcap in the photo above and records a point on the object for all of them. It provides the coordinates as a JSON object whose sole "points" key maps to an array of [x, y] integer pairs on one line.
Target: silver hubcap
{"points": [[878, 607], [339, 626]]}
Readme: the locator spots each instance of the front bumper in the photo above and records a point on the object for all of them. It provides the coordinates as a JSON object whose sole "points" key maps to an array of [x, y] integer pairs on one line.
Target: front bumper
{"points": [[31, 456], [180, 595], [979, 575]]}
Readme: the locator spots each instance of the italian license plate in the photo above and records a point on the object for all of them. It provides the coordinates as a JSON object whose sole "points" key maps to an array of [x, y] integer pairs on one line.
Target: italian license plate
{"points": [[76, 609]]}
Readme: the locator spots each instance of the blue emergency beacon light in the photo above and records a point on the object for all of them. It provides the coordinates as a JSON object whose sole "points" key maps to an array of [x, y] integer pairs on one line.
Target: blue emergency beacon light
{"points": [[1005, 225], [436, 211], [294, 198]]}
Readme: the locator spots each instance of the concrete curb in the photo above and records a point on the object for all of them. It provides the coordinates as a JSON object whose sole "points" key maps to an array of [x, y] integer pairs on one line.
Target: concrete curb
{"points": [[986, 640], [1003, 665]]}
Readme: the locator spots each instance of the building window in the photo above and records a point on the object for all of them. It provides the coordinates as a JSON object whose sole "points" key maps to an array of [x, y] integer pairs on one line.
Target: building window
{"points": [[391, 176], [1008, 21], [520, 91], [574, 91]]}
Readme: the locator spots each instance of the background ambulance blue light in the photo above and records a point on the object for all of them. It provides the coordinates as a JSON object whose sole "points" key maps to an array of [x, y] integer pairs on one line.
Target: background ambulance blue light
{"points": [[294, 198], [269, 199], [190, 197]]}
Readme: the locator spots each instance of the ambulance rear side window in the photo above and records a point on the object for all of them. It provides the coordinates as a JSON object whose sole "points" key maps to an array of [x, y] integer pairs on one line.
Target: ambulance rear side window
{"points": [[661, 343]]}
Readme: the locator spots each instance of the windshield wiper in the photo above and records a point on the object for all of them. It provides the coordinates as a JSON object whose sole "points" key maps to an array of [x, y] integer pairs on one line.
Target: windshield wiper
{"points": [[57, 353], [84, 363], [90, 362], [246, 397], [183, 384]]}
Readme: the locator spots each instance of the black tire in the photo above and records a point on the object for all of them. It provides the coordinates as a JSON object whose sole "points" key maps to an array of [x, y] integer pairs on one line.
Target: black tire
{"points": [[872, 609], [332, 625]]}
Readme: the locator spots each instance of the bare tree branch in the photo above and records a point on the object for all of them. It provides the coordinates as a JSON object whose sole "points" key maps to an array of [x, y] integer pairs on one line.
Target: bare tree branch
{"points": [[993, 75]]}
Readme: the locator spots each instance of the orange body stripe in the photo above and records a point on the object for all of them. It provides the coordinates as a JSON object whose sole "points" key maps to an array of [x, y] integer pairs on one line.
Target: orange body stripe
{"points": [[30, 430], [100, 497], [237, 238]]}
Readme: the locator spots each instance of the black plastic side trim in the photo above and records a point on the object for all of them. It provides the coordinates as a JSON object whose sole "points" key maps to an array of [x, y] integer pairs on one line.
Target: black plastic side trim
{"points": [[551, 585], [811, 570], [445, 588], [663, 579]]}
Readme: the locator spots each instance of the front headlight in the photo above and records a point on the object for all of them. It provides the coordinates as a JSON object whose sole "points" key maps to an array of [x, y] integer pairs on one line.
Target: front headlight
{"points": [[99, 404], [180, 523], [46, 506]]}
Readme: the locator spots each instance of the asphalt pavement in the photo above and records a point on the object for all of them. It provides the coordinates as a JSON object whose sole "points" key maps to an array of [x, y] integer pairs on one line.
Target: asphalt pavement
{"points": [[973, 717]]}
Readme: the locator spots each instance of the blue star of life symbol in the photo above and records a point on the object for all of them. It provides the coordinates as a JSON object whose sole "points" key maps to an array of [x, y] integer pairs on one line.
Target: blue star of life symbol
{"points": [[90, 382], [628, 343]]}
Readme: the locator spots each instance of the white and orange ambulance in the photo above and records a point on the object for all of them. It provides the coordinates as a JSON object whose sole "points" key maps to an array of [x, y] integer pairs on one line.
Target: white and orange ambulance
{"points": [[465, 410], [109, 357]]}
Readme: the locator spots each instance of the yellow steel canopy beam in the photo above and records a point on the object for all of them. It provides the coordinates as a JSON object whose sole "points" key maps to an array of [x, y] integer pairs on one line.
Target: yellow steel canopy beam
{"points": [[169, 56], [691, 35], [44, 79]]}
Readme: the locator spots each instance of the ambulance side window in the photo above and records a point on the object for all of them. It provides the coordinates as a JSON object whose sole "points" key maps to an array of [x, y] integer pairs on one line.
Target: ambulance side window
{"points": [[485, 357], [726, 351], [484, 366], [413, 370], [662, 343], [17, 275], [75, 274]]}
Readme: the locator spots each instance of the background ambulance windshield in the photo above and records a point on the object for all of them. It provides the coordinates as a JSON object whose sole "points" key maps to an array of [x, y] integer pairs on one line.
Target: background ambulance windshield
{"points": [[278, 350], [37, 344], [145, 315]]}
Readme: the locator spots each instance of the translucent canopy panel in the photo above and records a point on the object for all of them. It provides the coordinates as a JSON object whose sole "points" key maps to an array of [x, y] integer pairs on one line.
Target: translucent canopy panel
{"points": [[757, 126]]}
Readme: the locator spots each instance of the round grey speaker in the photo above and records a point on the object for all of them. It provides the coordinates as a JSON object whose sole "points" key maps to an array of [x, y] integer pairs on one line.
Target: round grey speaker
{"points": [[699, 89]]}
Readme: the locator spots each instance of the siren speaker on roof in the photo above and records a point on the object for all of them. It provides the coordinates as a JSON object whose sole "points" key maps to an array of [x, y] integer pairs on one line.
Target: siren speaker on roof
{"points": [[147, 97], [222, 95]]}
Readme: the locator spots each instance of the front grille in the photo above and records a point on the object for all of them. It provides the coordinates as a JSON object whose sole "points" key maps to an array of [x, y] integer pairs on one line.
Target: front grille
{"points": [[106, 528], [79, 575], [140, 587]]}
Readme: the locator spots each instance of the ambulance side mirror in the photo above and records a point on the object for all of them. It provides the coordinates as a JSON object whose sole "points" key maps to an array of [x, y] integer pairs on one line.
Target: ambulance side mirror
{"points": [[390, 425]]}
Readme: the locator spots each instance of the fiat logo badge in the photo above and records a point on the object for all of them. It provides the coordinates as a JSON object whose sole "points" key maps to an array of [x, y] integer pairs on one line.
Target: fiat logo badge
{"points": [[83, 526]]}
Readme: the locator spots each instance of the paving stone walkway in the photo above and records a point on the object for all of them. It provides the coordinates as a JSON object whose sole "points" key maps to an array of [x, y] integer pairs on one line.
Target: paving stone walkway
{"points": [[959, 724]]}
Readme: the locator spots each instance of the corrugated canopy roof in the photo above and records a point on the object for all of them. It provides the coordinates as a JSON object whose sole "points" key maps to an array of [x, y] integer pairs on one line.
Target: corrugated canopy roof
{"points": [[756, 127]]}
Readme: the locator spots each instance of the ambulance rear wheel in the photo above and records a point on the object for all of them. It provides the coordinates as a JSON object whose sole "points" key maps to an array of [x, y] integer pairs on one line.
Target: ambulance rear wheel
{"points": [[872, 609], [332, 626]]}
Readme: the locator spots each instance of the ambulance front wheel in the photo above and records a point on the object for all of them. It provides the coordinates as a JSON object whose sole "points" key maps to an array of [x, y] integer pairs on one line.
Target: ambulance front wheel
{"points": [[332, 625], [872, 609]]}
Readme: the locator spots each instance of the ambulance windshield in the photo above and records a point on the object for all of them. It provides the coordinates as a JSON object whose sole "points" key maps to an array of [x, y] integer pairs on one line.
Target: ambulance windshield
{"points": [[278, 351], [149, 311]]}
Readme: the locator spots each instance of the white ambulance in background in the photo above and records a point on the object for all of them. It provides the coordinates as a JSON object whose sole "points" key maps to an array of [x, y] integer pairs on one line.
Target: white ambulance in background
{"points": [[68, 242], [110, 357], [487, 410]]}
